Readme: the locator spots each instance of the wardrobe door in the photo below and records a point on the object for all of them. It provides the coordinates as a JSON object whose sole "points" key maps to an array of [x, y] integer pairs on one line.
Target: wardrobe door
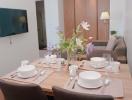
{"points": [[69, 17], [92, 18], [103, 27], [87, 10], [81, 13], [76, 11]]}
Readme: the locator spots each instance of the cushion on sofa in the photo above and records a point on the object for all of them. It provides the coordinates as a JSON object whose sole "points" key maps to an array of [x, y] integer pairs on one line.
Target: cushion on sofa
{"points": [[111, 43], [120, 50]]}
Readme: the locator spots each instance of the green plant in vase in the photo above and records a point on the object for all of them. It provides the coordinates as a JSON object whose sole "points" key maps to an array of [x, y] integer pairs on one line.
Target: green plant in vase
{"points": [[74, 43]]}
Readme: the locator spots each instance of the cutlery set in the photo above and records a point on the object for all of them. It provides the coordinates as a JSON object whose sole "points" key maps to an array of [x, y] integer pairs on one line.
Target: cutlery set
{"points": [[75, 81], [14, 74], [72, 81]]}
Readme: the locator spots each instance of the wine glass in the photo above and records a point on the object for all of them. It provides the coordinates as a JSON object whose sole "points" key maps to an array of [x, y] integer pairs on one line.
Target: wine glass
{"points": [[73, 58], [49, 48], [73, 71], [108, 66]]}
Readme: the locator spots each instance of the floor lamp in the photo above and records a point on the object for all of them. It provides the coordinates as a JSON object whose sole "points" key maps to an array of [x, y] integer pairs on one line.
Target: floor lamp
{"points": [[105, 17]]}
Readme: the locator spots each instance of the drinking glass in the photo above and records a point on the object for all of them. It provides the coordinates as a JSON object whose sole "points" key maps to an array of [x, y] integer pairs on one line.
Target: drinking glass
{"points": [[47, 54], [49, 48], [59, 64], [108, 66], [73, 71], [73, 59]]}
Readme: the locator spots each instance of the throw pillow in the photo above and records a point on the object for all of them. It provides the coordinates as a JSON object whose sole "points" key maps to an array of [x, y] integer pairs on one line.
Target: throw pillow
{"points": [[111, 43]]}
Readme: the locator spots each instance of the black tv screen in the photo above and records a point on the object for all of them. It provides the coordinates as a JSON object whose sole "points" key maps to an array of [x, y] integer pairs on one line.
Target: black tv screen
{"points": [[13, 21]]}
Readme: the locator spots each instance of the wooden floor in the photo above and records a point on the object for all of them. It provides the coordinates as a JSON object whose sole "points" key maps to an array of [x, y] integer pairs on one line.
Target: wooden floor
{"points": [[1, 95]]}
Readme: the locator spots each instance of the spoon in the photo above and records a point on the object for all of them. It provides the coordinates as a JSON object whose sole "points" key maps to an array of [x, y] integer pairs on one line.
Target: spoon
{"points": [[74, 82], [106, 82], [42, 72], [14, 74]]}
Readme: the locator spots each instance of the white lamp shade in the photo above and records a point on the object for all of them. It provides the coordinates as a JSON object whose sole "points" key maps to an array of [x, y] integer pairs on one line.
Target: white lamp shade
{"points": [[104, 15]]}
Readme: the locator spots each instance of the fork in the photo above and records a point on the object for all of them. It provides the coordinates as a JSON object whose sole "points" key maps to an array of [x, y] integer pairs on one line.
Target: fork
{"points": [[43, 72], [70, 80], [14, 74], [40, 73], [75, 80]]}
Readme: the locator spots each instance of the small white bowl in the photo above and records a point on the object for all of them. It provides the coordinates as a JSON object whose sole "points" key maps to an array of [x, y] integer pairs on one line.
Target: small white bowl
{"points": [[90, 79]]}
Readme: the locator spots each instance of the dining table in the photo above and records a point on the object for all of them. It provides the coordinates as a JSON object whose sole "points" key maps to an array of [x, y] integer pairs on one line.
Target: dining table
{"points": [[60, 78]]}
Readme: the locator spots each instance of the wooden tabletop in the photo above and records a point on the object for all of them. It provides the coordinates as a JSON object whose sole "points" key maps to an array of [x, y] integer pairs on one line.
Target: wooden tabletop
{"points": [[60, 79]]}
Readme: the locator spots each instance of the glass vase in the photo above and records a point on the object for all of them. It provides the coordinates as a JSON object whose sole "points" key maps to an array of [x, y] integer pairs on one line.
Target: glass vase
{"points": [[68, 58]]}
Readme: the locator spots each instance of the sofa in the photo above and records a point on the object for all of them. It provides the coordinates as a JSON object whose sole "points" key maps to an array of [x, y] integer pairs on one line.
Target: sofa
{"points": [[115, 46]]}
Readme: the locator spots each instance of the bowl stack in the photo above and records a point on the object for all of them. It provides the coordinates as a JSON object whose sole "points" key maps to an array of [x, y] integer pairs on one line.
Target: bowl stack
{"points": [[26, 71], [90, 79], [98, 62]]}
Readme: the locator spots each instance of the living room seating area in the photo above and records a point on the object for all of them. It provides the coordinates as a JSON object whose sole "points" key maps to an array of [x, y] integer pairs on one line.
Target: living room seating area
{"points": [[116, 46]]}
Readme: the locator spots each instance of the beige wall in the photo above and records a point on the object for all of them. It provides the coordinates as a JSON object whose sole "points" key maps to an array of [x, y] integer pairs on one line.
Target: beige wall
{"points": [[24, 46]]}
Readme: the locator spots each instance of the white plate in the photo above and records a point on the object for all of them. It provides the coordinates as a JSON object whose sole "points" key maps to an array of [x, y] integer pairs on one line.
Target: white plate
{"points": [[44, 61], [99, 65], [20, 76], [96, 66], [53, 62], [97, 59], [90, 79], [89, 87]]}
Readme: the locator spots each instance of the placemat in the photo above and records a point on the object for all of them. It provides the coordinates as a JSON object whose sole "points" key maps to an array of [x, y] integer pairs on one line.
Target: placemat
{"points": [[114, 88], [42, 63], [37, 79], [85, 65]]}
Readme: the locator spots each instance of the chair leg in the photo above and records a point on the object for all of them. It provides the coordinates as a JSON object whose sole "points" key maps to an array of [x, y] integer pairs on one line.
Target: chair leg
{"points": [[50, 97]]}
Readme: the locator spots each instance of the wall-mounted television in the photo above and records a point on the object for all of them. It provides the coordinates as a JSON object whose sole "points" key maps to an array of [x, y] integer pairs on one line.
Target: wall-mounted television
{"points": [[13, 21]]}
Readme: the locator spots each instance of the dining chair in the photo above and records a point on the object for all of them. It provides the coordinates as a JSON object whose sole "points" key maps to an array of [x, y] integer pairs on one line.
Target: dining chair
{"points": [[16, 91], [63, 94]]}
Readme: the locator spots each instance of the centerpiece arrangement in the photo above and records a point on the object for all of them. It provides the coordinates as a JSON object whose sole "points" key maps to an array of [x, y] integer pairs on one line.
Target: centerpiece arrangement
{"points": [[74, 43]]}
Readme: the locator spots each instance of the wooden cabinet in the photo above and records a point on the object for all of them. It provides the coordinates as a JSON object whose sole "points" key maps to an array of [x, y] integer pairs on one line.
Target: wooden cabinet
{"points": [[69, 17], [89, 10], [103, 28]]}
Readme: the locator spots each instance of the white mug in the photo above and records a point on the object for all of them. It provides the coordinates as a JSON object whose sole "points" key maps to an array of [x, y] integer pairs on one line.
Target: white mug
{"points": [[115, 66]]}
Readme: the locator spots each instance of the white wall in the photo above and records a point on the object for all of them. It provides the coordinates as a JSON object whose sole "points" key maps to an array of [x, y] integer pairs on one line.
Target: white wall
{"points": [[24, 46], [117, 16], [61, 15], [128, 31], [54, 19]]}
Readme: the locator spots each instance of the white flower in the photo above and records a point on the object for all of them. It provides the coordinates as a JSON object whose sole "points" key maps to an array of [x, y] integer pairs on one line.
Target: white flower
{"points": [[85, 25], [79, 42]]}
